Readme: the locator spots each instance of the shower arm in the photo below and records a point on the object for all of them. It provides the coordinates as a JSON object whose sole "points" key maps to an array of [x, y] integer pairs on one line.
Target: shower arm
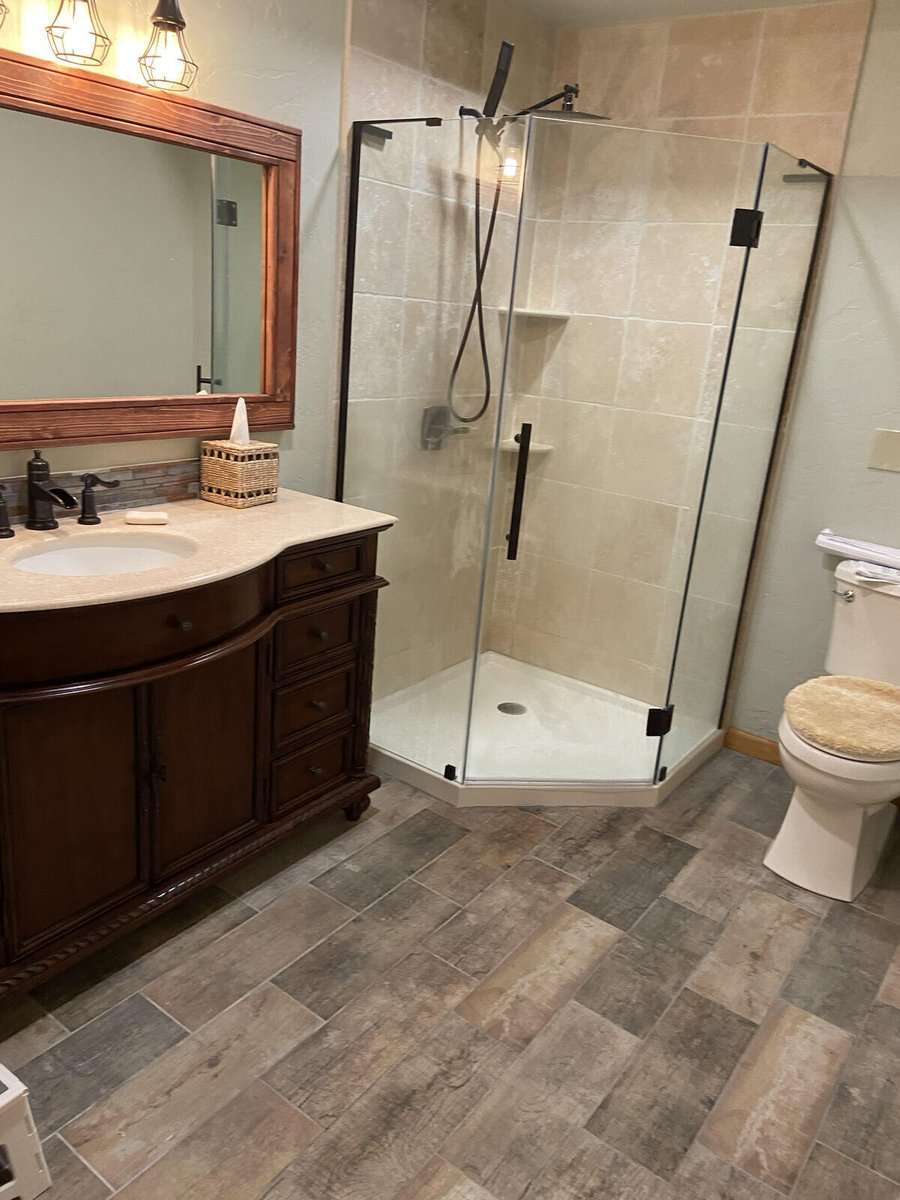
{"points": [[568, 96]]}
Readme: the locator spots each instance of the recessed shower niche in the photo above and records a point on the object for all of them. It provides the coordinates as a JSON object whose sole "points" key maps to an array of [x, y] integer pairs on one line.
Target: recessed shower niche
{"points": [[567, 345]]}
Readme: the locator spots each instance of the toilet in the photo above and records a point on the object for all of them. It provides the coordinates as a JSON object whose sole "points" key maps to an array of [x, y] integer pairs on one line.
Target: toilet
{"points": [[840, 743]]}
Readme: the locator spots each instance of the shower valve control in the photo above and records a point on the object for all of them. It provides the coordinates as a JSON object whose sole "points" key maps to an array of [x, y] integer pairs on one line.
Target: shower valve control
{"points": [[437, 425]]}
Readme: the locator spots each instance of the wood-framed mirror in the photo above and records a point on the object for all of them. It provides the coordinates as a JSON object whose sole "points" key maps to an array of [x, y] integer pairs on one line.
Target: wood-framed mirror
{"points": [[150, 249]]}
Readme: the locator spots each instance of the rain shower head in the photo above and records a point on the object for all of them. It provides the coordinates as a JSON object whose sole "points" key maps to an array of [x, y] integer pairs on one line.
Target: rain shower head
{"points": [[498, 83]]}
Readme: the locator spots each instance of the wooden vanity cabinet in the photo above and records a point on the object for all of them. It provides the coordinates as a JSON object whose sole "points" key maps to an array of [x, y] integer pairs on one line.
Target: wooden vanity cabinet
{"points": [[125, 790]]}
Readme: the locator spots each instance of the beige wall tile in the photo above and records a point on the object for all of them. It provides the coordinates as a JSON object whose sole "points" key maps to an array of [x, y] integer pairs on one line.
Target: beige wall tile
{"points": [[454, 37], [679, 272], [610, 174], [630, 614], [398, 38], [757, 374], [722, 558], [810, 58], [663, 367], [776, 277], [635, 538], [382, 242], [693, 178], [596, 266], [710, 64], [377, 330], [553, 598], [620, 69], [738, 470], [649, 456], [819, 139], [378, 89]]}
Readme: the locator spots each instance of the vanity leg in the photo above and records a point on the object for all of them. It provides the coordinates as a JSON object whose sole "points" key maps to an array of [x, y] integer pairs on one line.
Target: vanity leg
{"points": [[354, 811]]}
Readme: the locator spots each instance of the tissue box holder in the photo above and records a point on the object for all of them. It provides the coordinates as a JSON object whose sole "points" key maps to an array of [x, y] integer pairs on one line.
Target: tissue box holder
{"points": [[239, 476]]}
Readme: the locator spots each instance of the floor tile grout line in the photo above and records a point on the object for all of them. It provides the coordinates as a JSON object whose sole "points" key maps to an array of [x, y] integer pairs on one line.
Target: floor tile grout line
{"points": [[85, 1162], [165, 1012]]}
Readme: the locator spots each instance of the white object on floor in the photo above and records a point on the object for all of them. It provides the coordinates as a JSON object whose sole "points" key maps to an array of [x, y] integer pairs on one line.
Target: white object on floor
{"points": [[851, 548], [25, 1161], [841, 813], [570, 732], [142, 516]]}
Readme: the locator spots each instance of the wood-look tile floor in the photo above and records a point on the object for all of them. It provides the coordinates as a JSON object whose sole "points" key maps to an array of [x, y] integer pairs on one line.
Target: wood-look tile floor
{"points": [[517, 1004]]}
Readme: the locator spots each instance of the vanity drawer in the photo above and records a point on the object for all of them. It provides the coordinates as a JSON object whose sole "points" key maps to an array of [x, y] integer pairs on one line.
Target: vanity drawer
{"points": [[81, 643], [324, 633], [324, 567], [301, 709], [302, 776]]}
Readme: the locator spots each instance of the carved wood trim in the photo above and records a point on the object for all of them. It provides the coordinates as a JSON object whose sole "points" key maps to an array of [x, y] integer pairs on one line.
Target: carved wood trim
{"points": [[53, 90]]}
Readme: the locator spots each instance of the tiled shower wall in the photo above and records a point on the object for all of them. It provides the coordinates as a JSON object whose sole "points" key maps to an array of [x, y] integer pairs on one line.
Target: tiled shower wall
{"points": [[625, 390]]}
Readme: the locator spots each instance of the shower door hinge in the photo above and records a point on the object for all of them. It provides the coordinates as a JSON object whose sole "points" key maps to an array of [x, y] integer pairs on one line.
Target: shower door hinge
{"points": [[449, 771], [746, 226], [659, 720]]}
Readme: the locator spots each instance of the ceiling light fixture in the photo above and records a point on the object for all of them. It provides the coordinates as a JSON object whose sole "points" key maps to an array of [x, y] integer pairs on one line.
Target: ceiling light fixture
{"points": [[77, 35], [167, 63]]}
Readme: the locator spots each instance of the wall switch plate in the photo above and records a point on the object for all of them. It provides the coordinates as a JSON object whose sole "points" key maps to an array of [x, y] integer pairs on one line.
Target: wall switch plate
{"points": [[886, 451]]}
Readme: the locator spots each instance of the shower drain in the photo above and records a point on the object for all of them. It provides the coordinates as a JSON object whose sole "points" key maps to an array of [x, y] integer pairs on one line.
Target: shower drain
{"points": [[511, 709]]}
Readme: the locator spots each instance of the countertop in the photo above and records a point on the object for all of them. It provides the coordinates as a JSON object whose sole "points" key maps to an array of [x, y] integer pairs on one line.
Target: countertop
{"points": [[229, 542]]}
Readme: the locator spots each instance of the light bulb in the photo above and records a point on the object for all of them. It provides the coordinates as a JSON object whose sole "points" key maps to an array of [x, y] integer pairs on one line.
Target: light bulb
{"points": [[510, 167], [166, 63], [77, 35]]}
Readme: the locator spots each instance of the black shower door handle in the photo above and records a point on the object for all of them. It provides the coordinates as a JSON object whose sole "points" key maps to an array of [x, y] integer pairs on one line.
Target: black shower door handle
{"points": [[523, 437]]}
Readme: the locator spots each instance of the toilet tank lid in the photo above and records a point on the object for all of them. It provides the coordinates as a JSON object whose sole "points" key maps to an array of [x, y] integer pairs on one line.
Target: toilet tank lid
{"points": [[867, 575]]}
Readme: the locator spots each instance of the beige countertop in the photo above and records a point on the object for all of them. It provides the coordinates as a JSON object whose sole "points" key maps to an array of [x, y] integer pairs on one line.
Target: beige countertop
{"points": [[229, 541]]}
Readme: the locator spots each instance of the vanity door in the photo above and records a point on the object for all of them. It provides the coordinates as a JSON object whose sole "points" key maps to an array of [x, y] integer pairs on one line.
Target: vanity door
{"points": [[203, 759], [74, 841]]}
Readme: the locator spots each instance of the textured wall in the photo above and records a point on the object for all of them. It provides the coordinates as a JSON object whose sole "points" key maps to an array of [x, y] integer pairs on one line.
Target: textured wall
{"points": [[282, 60], [848, 389]]}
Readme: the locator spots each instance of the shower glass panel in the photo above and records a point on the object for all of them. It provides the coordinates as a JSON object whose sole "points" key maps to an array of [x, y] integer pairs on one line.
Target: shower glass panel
{"points": [[405, 451], [759, 354], [610, 315], [625, 275]]}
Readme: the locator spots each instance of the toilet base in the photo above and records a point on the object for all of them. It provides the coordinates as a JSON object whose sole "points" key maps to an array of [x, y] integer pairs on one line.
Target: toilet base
{"points": [[828, 848]]}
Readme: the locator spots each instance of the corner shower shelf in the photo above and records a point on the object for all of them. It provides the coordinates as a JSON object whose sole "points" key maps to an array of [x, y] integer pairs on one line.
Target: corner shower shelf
{"points": [[539, 314], [511, 446]]}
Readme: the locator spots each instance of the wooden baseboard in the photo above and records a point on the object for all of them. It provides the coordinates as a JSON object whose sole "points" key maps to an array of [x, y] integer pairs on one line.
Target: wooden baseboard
{"points": [[752, 744]]}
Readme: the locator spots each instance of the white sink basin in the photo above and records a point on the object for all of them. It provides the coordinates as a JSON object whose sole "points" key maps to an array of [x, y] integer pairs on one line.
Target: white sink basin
{"points": [[106, 554]]}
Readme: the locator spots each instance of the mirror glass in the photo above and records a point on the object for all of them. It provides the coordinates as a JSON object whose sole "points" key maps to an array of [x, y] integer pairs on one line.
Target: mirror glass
{"points": [[128, 264]]}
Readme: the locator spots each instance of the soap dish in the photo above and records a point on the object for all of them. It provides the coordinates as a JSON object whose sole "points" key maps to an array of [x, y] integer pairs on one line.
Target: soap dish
{"points": [[239, 476]]}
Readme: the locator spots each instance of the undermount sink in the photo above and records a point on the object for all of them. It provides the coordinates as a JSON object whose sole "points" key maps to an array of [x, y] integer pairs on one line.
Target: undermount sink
{"points": [[106, 554]]}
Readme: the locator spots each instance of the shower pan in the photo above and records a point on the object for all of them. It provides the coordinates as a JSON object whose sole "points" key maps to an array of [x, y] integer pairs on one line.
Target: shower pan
{"points": [[578, 491]]}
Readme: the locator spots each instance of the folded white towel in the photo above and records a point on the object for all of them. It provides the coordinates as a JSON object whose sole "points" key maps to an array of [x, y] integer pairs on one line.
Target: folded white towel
{"points": [[869, 552]]}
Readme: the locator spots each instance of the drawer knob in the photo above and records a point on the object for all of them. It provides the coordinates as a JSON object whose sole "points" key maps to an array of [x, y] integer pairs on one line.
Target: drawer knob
{"points": [[321, 635], [318, 704], [325, 567], [317, 770], [182, 624]]}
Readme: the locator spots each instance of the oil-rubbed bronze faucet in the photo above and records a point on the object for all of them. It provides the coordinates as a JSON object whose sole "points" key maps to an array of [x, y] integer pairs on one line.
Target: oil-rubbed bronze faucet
{"points": [[42, 497], [89, 500]]}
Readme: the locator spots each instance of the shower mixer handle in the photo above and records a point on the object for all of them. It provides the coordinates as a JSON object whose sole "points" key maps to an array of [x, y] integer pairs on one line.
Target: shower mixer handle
{"points": [[437, 425]]}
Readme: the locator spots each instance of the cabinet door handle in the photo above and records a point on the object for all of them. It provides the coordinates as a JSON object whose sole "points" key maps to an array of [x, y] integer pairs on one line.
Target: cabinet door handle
{"points": [[317, 770], [319, 704], [321, 635]]}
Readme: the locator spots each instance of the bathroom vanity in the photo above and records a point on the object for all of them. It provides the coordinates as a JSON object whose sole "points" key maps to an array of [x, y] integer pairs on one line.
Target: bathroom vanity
{"points": [[159, 726]]}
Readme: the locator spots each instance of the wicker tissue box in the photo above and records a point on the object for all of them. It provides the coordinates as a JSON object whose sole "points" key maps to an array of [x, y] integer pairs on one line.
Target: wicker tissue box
{"points": [[239, 476]]}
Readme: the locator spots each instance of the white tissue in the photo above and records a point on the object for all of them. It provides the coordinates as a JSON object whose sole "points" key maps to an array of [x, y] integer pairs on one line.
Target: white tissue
{"points": [[240, 430]]}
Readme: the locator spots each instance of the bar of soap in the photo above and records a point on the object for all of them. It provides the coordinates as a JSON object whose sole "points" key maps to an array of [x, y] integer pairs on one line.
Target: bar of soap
{"points": [[140, 516]]}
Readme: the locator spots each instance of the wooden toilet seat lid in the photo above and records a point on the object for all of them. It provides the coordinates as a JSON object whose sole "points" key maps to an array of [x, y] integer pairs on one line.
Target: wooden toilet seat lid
{"points": [[853, 718]]}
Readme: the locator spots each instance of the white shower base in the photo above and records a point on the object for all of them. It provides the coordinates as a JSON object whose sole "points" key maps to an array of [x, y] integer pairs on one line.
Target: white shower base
{"points": [[575, 740]]}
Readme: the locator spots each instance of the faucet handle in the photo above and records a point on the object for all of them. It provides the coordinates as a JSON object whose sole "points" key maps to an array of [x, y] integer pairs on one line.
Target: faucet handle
{"points": [[88, 501], [6, 530], [92, 481]]}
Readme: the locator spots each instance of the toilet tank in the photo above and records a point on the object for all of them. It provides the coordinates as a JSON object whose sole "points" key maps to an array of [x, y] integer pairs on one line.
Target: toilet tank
{"points": [[865, 631]]}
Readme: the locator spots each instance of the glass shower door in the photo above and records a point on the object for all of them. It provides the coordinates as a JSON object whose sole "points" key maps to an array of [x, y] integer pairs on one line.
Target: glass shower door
{"points": [[410, 447], [626, 278]]}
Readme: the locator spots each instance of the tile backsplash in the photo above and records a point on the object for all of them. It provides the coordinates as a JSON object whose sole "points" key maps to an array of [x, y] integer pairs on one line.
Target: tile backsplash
{"points": [[141, 486]]}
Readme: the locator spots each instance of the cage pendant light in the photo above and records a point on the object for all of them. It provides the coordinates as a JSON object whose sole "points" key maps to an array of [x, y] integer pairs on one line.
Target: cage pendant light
{"points": [[3, 11], [167, 63], [77, 35]]}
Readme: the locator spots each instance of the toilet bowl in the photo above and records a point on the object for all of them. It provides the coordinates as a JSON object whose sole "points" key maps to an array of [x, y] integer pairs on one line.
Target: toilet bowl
{"points": [[840, 744], [838, 821]]}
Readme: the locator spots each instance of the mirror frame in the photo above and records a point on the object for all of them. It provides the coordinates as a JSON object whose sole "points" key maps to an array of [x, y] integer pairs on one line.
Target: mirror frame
{"points": [[69, 94]]}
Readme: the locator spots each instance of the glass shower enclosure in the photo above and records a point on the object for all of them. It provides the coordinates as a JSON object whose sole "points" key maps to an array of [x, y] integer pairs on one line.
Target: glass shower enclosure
{"points": [[566, 348]]}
